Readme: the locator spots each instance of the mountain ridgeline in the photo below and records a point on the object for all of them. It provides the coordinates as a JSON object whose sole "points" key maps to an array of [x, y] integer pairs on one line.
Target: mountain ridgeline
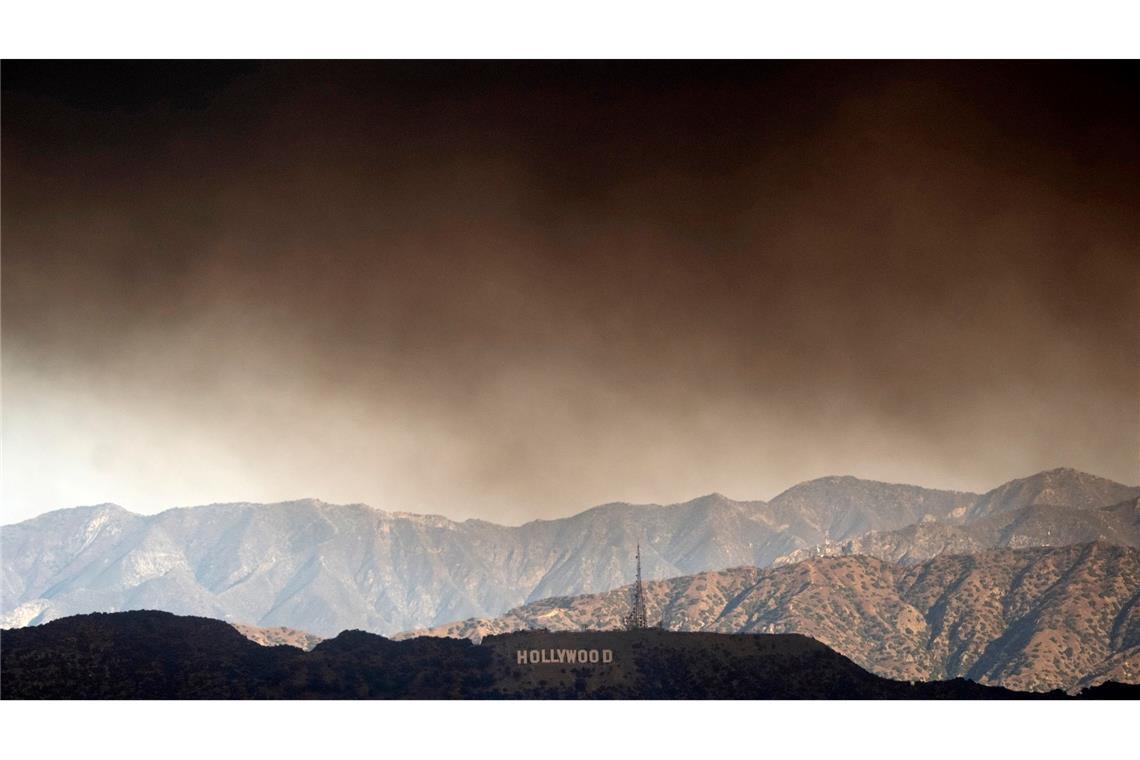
{"points": [[324, 568]]}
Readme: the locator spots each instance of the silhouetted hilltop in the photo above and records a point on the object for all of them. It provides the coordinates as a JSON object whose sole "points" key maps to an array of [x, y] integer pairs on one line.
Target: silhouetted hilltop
{"points": [[157, 655]]}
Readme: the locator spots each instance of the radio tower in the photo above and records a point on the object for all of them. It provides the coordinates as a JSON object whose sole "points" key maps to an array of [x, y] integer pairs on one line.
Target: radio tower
{"points": [[636, 620]]}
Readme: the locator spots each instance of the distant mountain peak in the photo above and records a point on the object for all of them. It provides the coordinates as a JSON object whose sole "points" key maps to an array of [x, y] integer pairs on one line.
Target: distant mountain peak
{"points": [[828, 482], [1061, 486], [1064, 474], [710, 499]]}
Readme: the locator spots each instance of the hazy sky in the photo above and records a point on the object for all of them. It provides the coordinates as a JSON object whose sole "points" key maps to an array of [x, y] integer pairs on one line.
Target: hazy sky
{"points": [[513, 291]]}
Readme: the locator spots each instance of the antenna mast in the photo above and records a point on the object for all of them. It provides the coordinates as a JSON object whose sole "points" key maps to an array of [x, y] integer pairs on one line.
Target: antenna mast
{"points": [[636, 619]]}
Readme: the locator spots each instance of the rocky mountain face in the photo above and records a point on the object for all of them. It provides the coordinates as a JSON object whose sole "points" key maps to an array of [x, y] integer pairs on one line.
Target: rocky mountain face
{"points": [[156, 655], [280, 636], [325, 568], [1029, 619], [1035, 525]]}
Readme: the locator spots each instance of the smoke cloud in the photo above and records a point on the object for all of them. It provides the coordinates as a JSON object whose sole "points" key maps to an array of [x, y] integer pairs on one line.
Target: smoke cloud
{"points": [[512, 291]]}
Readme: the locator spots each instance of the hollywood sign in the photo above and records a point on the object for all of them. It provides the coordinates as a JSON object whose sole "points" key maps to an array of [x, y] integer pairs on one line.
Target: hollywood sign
{"points": [[563, 656]]}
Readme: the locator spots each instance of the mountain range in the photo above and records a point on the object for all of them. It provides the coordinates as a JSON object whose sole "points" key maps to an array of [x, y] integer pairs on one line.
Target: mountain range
{"points": [[324, 568]]}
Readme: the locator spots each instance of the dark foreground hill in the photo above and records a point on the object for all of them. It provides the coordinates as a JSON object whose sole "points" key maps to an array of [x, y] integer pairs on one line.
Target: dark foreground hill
{"points": [[157, 655]]}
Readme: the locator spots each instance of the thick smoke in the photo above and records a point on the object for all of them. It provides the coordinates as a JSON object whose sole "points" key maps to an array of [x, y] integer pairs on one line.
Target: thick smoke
{"points": [[512, 291]]}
